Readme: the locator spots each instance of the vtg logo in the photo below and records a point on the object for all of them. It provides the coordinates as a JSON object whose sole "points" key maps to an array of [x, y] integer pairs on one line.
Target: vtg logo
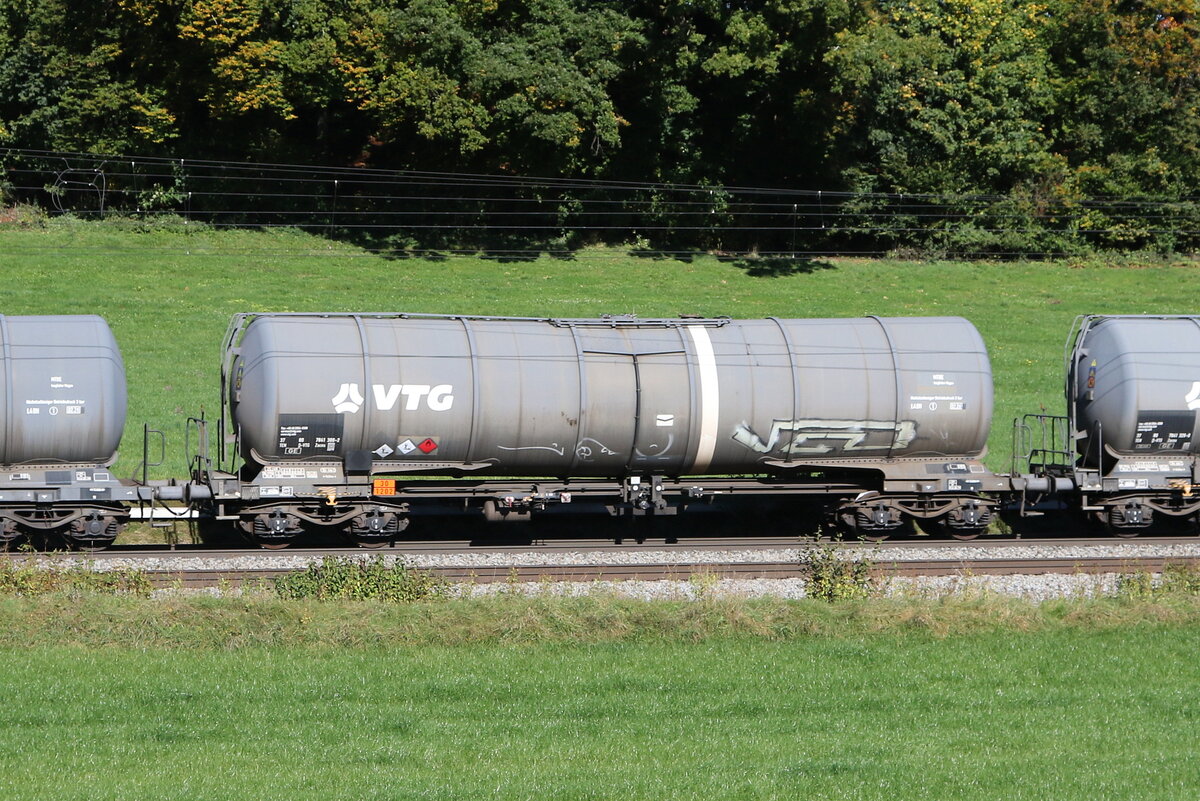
{"points": [[437, 398], [1192, 399]]}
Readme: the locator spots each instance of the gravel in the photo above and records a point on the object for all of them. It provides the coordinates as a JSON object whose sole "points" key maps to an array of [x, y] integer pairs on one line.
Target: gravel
{"points": [[259, 560], [1032, 587], [1042, 587]]}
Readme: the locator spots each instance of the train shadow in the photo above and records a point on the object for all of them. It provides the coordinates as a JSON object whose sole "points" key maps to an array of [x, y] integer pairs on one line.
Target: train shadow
{"points": [[780, 267], [753, 266]]}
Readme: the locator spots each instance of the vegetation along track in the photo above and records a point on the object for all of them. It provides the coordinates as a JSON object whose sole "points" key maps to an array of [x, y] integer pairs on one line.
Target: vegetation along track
{"points": [[594, 560], [655, 572]]}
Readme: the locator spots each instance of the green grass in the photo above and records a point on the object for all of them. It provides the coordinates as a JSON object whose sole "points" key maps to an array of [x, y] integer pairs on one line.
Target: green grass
{"points": [[1066, 715], [90, 618], [121, 697], [169, 294]]}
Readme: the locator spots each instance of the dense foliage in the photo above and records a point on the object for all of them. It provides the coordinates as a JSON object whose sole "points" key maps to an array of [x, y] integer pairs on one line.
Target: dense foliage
{"points": [[335, 578], [1026, 118]]}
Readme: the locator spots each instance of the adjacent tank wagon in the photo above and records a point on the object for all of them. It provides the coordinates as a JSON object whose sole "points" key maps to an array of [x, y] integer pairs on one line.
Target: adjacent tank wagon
{"points": [[62, 390], [1128, 445], [336, 415]]}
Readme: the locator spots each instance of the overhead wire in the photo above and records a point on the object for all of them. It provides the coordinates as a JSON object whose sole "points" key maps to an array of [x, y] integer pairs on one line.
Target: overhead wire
{"points": [[391, 202]]}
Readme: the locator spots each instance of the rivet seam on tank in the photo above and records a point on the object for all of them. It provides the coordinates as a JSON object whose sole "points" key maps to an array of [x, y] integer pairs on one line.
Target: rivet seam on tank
{"points": [[710, 398]]}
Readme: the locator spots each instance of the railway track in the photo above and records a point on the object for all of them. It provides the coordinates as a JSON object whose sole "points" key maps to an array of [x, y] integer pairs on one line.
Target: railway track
{"points": [[588, 545], [762, 570], [681, 571], [581, 560]]}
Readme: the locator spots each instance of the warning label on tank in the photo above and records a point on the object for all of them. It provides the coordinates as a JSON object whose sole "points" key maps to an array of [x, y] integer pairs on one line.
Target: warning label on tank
{"points": [[1164, 431], [310, 434], [417, 446]]}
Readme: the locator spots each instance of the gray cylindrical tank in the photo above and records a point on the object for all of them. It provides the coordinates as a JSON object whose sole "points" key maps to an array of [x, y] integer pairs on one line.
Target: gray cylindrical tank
{"points": [[1135, 382], [608, 397], [62, 390]]}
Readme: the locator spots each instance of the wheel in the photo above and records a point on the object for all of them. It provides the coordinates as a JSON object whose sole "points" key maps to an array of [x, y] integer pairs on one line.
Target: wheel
{"points": [[10, 534], [372, 545], [93, 533], [1128, 520], [940, 527], [273, 531], [871, 524], [376, 529], [88, 546], [1125, 533]]}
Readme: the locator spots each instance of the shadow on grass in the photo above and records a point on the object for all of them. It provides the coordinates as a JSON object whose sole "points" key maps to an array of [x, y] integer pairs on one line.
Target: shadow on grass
{"points": [[510, 250], [754, 266], [510, 256], [403, 255], [503, 256], [685, 256], [778, 267]]}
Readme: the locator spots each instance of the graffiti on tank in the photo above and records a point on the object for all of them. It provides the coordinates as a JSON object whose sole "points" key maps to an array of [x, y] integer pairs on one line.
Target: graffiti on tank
{"points": [[589, 448], [657, 452], [553, 447], [827, 436]]}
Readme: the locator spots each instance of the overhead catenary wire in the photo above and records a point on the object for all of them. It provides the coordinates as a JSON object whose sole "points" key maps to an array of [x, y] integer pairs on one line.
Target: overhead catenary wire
{"points": [[472, 211]]}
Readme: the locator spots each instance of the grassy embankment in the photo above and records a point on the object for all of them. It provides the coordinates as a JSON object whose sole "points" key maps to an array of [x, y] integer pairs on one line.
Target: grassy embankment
{"points": [[1008, 715], [597, 698]]}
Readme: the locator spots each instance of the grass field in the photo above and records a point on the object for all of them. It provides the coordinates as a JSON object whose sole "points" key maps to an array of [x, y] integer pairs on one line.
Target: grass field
{"points": [[1068, 715], [169, 294], [119, 698]]}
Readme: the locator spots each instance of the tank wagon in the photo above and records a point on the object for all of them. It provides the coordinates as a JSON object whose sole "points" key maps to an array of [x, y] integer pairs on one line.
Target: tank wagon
{"points": [[1127, 447], [62, 388], [362, 421]]}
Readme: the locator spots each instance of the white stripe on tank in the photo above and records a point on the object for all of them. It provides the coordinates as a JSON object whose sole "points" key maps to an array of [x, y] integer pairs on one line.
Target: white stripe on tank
{"points": [[710, 398]]}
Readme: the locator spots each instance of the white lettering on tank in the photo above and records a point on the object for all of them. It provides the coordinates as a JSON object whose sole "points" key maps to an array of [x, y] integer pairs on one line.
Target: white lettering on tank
{"points": [[414, 393], [1192, 399], [385, 397], [348, 399], [440, 398]]}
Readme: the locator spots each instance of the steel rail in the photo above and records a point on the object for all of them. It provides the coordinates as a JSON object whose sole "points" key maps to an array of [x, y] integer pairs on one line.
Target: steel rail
{"points": [[684, 571], [592, 545]]}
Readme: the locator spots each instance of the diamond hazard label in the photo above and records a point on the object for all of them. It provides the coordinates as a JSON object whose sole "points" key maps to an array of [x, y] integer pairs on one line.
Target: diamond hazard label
{"points": [[428, 445], [406, 447]]}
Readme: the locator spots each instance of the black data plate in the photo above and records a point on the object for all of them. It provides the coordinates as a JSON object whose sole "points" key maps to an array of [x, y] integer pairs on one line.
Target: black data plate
{"points": [[1164, 431], [310, 434]]}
